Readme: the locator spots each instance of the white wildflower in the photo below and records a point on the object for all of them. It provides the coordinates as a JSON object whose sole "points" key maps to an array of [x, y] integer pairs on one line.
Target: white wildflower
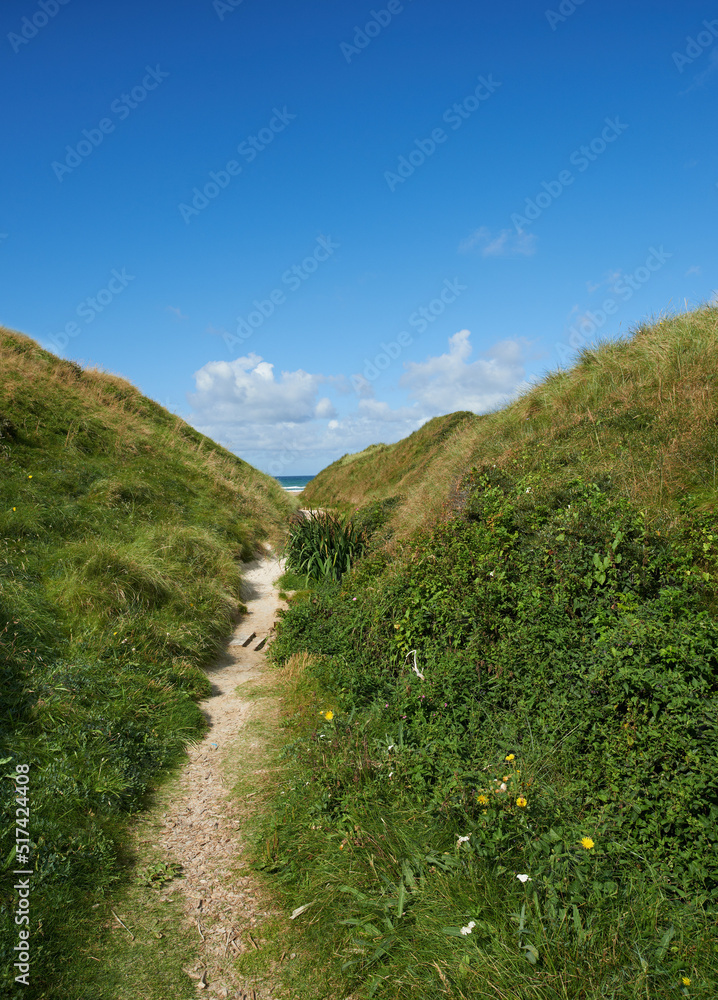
{"points": [[469, 928], [463, 840], [524, 878]]}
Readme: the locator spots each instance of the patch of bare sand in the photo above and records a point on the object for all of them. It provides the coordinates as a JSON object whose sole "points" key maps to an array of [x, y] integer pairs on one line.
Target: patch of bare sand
{"points": [[201, 828]]}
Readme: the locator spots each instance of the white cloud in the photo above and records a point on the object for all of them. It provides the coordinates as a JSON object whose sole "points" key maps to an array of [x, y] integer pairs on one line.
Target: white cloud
{"points": [[694, 269], [177, 312], [508, 243], [245, 391], [452, 382], [324, 409], [283, 425], [375, 409]]}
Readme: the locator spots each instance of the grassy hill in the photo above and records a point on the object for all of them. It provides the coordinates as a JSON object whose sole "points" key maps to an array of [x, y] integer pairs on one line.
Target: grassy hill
{"points": [[382, 470], [122, 532], [504, 742], [642, 410]]}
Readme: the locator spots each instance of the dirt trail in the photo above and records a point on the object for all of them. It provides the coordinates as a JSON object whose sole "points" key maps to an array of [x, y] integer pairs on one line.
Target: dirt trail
{"points": [[202, 828]]}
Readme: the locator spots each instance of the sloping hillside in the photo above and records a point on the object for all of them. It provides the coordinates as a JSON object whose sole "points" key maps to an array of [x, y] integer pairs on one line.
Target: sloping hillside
{"points": [[642, 409], [502, 774], [385, 470], [121, 535]]}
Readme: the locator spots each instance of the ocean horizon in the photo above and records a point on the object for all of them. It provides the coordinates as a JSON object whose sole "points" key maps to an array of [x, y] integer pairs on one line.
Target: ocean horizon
{"points": [[293, 484]]}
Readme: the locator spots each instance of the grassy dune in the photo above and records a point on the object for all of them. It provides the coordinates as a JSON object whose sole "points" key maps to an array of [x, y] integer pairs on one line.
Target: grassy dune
{"points": [[641, 409], [503, 739], [122, 531]]}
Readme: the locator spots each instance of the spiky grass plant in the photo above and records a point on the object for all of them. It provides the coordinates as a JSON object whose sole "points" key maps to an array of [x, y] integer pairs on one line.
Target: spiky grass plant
{"points": [[323, 545]]}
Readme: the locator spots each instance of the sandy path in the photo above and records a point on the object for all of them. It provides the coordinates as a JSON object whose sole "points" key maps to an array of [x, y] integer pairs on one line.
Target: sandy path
{"points": [[202, 828]]}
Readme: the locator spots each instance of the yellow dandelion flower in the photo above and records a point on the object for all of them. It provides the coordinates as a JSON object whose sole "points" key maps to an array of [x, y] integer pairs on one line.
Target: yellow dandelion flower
{"points": [[482, 800], [510, 756], [29, 477], [14, 508], [521, 801], [329, 715], [686, 981], [587, 843]]}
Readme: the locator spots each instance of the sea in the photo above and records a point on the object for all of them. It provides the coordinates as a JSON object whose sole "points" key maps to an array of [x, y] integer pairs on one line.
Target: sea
{"points": [[293, 484]]}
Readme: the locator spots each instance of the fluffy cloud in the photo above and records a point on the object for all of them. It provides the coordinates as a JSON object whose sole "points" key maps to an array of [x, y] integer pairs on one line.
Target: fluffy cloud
{"points": [[284, 426], [245, 391], [452, 382], [508, 243]]}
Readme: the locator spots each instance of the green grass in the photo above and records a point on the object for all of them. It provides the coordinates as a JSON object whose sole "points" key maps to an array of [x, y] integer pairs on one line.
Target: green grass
{"points": [[560, 604], [642, 409], [122, 532]]}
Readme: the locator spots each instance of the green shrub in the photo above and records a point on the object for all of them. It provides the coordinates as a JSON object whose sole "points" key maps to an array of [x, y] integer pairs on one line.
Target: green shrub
{"points": [[323, 545]]}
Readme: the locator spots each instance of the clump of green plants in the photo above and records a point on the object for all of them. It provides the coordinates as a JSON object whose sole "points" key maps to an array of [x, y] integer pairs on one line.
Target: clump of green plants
{"points": [[156, 875], [322, 545], [507, 772]]}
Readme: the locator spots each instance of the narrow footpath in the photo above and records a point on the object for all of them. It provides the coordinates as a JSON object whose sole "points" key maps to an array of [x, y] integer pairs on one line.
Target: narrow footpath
{"points": [[202, 827]]}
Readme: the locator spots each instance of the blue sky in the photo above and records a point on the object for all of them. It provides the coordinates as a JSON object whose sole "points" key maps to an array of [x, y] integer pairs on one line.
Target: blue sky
{"points": [[311, 227]]}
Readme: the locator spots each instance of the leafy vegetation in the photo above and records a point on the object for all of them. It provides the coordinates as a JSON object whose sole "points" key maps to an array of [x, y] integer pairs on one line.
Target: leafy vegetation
{"points": [[322, 545], [121, 535], [501, 758]]}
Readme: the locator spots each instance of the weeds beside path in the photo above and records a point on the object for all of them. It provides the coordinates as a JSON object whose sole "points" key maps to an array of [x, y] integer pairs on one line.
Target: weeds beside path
{"points": [[198, 822]]}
